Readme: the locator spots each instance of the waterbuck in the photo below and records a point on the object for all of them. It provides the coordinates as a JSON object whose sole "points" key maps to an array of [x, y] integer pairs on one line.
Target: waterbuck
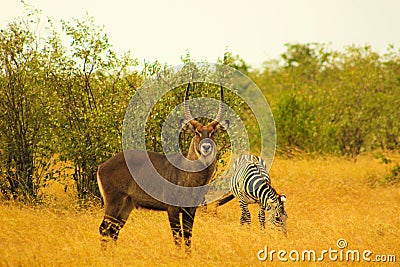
{"points": [[118, 178]]}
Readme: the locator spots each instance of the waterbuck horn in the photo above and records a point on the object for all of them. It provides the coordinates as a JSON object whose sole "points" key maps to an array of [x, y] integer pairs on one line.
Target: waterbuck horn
{"points": [[221, 108], [188, 115]]}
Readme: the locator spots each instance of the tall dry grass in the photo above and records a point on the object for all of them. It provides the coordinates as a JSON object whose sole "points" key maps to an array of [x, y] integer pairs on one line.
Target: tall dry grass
{"points": [[328, 199]]}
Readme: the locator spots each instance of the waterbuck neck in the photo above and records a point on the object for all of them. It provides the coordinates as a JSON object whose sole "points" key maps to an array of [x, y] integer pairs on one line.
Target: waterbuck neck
{"points": [[193, 154]]}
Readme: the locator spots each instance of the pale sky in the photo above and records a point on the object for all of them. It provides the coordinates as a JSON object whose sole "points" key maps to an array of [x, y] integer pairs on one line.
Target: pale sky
{"points": [[255, 29]]}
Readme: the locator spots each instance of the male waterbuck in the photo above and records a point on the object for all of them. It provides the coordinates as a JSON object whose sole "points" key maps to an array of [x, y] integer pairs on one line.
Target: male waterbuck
{"points": [[118, 178]]}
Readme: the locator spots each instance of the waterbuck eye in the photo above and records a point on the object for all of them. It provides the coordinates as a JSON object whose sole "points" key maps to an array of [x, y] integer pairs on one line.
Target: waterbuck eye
{"points": [[197, 133]]}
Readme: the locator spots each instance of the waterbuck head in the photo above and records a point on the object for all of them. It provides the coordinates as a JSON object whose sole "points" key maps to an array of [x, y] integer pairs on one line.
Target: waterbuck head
{"points": [[202, 146]]}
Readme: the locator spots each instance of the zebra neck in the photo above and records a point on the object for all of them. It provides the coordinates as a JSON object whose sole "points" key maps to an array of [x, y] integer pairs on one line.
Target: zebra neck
{"points": [[266, 193]]}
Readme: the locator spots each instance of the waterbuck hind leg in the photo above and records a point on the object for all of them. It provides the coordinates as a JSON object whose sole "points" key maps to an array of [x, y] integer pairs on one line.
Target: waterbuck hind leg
{"points": [[117, 212], [188, 220], [174, 222], [109, 228]]}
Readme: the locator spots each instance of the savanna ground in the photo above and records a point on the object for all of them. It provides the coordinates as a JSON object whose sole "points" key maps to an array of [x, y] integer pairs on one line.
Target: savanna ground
{"points": [[328, 199]]}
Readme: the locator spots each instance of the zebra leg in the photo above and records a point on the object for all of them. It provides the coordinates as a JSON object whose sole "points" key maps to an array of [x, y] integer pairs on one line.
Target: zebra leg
{"points": [[188, 219], [245, 217], [261, 216], [175, 224]]}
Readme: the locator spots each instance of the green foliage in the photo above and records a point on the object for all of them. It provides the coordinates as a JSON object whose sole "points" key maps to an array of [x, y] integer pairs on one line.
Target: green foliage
{"points": [[59, 103], [235, 62], [24, 113], [93, 91], [382, 158], [67, 103], [394, 175], [334, 102]]}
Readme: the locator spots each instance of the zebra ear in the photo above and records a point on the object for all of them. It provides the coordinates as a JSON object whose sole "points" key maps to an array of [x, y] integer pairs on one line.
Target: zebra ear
{"points": [[283, 198]]}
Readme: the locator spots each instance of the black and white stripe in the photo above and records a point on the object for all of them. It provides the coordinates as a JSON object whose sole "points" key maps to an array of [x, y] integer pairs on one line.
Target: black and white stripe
{"points": [[250, 183]]}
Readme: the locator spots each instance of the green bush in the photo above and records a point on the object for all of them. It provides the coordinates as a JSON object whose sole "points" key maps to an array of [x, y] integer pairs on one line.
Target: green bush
{"points": [[67, 102]]}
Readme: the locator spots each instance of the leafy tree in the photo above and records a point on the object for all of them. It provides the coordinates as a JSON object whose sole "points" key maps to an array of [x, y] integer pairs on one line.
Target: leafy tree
{"points": [[333, 102], [24, 110], [67, 102], [93, 87]]}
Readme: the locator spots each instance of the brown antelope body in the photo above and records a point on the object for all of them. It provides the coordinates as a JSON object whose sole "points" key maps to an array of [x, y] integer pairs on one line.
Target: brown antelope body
{"points": [[121, 192]]}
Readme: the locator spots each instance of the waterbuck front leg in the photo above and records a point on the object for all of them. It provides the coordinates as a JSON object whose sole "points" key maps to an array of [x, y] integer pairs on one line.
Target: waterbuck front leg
{"points": [[174, 222], [188, 220]]}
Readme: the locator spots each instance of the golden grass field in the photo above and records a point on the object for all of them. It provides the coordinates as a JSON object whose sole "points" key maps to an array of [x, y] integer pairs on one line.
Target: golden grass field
{"points": [[327, 199]]}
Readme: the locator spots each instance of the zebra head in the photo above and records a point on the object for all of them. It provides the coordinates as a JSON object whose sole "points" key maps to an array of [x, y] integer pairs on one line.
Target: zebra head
{"points": [[277, 214]]}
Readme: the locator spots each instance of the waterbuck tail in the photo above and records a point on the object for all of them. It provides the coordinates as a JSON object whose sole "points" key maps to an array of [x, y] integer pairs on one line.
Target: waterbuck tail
{"points": [[100, 187]]}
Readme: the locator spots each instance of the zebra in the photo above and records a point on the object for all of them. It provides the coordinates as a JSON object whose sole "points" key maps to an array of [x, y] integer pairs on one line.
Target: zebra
{"points": [[250, 183]]}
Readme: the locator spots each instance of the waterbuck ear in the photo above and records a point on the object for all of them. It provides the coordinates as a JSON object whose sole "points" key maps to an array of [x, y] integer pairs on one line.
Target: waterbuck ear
{"points": [[222, 126], [187, 126]]}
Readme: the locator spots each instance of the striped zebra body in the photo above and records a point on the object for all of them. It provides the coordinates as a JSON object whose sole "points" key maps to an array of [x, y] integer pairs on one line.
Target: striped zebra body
{"points": [[251, 184]]}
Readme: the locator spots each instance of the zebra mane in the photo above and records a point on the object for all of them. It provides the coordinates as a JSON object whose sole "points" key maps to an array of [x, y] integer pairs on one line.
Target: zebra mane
{"points": [[250, 159], [254, 160]]}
